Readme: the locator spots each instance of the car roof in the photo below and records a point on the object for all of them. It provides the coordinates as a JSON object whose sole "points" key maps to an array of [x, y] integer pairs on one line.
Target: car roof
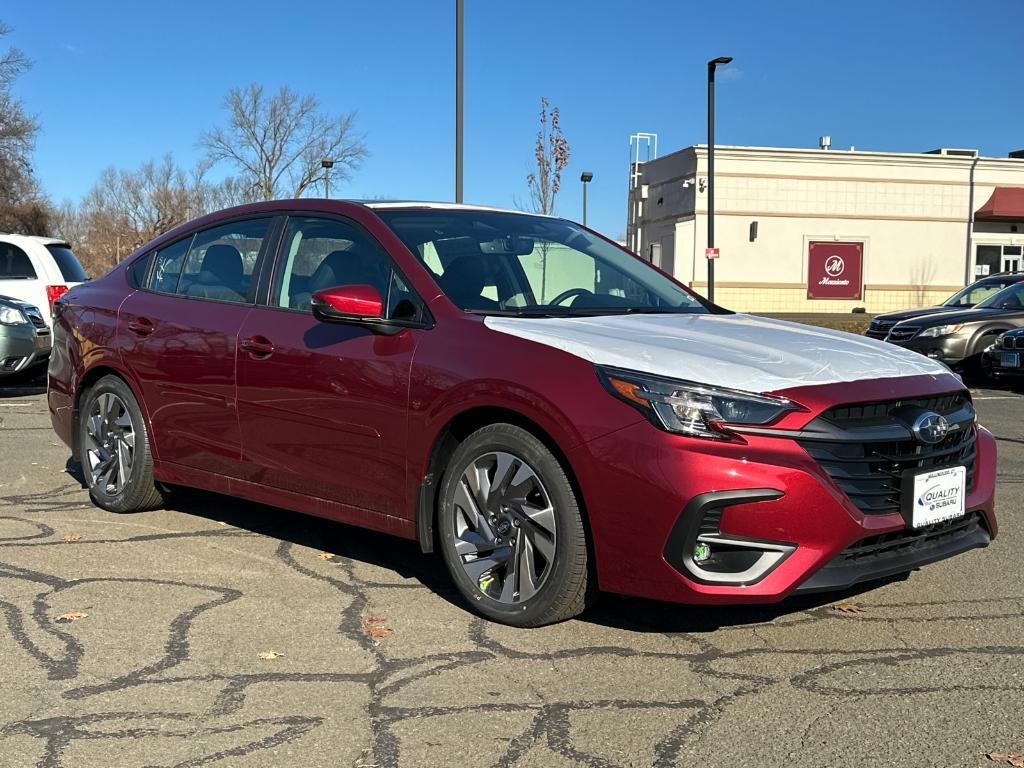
{"points": [[36, 238], [384, 205]]}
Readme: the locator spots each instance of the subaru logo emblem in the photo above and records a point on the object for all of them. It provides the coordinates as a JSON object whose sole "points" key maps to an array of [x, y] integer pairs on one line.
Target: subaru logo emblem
{"points": [[930, 428]]}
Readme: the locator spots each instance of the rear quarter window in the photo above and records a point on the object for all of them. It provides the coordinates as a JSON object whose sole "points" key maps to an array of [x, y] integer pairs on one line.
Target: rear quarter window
{"points": [[138, 270], [67, 263], [15, 263]]}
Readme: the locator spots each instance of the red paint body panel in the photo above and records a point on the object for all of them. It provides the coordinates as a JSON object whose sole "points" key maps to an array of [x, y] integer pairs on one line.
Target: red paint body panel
{"points": [[336, 420], [325, 413]]}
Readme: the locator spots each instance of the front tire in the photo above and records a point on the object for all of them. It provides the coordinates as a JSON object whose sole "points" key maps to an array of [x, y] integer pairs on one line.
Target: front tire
{"points": [[511, 531], [113, 447]]}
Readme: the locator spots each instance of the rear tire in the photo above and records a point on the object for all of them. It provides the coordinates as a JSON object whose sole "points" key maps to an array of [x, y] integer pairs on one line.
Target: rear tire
{"points": [[113, 447], [511, 531]]}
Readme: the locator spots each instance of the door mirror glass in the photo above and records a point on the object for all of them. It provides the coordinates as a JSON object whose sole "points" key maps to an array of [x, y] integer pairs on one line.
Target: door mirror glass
{"points": [[348, 303]]}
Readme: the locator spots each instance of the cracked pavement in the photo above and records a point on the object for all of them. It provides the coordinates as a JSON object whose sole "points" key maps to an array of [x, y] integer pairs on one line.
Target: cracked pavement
{"points": [[165, 668]]}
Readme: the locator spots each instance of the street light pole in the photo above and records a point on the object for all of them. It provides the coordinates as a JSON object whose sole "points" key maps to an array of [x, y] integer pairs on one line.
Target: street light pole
{"points": [[585, 177], [327, 163], [721, 60], [459, 14]]}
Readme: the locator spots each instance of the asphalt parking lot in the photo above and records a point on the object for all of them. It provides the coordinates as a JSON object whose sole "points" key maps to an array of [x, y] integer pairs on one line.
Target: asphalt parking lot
{"points": [[225, 633]]}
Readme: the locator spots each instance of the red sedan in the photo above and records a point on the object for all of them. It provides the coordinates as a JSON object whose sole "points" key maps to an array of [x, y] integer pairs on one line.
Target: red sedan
{"points": [[553, 414]]}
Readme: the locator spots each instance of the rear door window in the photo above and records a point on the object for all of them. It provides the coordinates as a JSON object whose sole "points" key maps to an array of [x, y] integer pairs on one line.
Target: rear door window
{"points": [[15, 263], [68, 264], [222, 260]]}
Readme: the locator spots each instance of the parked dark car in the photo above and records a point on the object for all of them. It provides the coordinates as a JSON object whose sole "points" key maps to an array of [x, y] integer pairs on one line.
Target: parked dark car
{"points": [[24, 337], [958, 339], [1005, 357], [967, 298], [548, 411]]}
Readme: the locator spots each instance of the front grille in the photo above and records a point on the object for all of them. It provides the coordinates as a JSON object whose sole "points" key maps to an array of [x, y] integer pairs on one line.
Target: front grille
{"points": [[866, 449], [36, 319], [903, 334], [1013, 341], [879, 329], [906, 541], [872, 414]]}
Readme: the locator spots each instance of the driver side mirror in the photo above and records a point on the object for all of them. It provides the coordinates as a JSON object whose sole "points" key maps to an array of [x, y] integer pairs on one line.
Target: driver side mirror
{"points": [[356, 303]]}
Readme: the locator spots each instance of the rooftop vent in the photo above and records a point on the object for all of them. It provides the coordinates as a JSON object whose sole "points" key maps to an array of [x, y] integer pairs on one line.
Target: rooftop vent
{"points": [[824, 142], [952, 152]]}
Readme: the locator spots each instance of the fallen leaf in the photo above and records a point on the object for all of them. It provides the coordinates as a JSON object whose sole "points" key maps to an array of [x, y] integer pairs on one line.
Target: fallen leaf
{"points": [[72, 537], [847, 608], [326, 556], [376, 630], [72, 616], [1016, 759], [376, 619], [268, 655]]}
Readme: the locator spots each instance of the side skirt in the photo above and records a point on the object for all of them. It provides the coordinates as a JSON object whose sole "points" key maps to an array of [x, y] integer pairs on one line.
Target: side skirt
{"points": [[177, 474]]}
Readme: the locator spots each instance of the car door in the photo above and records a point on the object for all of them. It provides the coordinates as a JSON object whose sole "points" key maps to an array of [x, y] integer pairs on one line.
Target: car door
{"points": [[178, 336], [322, 406]]}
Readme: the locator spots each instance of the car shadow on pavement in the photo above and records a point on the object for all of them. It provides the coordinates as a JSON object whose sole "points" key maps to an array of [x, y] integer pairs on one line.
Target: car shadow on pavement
{"points": [[640, 615], [404, 559], [23, 385], [348, 542]]}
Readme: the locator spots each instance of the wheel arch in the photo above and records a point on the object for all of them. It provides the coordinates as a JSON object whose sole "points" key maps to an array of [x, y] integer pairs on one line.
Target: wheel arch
{"points": [[457, 429], [90, 377], [977, 341]]}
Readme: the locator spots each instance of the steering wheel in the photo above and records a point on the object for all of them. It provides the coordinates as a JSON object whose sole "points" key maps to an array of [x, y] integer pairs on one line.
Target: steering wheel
{"points": [[568, 294]]}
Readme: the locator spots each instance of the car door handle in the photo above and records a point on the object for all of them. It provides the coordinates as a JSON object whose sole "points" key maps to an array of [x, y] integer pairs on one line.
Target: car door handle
{"points": [[140, 326], [257, 346]]}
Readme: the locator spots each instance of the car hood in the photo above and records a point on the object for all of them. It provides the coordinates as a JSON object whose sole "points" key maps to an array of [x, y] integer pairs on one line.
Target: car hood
{"points": [[745, 352], [906, 314], [975, 315]]}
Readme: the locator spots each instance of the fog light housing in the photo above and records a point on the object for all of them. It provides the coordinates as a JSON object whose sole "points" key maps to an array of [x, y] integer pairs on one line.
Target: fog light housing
{"points": [[701, 552]]}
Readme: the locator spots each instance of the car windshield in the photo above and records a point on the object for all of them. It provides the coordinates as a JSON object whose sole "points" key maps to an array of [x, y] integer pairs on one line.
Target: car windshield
{"points": [[1011, 297], [976, 293], [516, 264]]}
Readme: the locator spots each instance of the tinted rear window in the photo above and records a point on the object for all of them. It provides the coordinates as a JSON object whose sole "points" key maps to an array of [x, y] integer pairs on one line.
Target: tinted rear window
{"points": [[68, 263], [15, 263]]}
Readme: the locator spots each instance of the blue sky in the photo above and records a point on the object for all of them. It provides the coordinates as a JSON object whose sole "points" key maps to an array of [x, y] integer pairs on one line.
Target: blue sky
{"points": [[118, 83]]}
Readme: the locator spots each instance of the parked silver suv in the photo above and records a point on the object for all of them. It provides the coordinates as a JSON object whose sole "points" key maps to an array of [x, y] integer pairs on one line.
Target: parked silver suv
{"points": [[24, 336]]}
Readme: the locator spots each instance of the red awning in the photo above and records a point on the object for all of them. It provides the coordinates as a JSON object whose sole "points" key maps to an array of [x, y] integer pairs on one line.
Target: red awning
{"points": [[1006, 203]]}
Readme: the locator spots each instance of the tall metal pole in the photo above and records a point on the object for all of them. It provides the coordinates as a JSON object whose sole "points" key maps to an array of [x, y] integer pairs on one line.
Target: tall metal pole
{"points": [[711, 168], [711, 177], [458, 99], [584, 203], [327, 183]]}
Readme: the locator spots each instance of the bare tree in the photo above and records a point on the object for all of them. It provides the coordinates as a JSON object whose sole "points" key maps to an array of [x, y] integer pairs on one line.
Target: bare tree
{"points": [[276, 142], [126, 208], [23, 208], [551, 153]]}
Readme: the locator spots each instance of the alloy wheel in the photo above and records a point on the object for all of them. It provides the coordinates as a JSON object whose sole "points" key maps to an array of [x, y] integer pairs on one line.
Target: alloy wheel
{"points": [[110, 444], [504, 527]]}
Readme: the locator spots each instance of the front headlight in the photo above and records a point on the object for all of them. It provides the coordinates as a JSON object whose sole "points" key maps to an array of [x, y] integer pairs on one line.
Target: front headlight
{"points": [[942, 330], [689, 408], [12, 316]]}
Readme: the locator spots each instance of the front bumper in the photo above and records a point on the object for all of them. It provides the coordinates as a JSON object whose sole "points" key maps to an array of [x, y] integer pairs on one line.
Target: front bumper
{"points": [[994, 363], [21, 347], [951, 350], [640, 486]]}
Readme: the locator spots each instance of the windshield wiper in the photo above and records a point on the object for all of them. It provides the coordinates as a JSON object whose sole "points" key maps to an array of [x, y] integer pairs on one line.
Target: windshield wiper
{"points": [[523, 312], [589, 311]]}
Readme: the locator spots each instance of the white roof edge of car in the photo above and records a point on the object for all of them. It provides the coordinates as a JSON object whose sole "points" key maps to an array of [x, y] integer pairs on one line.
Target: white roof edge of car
{"points": [[394, 204], [42, 240]]}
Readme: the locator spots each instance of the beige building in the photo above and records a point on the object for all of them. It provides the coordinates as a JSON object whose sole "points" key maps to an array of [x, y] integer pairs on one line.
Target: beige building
{"points": [[805, 230]]}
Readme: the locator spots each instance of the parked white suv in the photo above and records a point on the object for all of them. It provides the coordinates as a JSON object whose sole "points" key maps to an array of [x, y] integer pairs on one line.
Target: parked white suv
{"points": [[37, 270]]}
